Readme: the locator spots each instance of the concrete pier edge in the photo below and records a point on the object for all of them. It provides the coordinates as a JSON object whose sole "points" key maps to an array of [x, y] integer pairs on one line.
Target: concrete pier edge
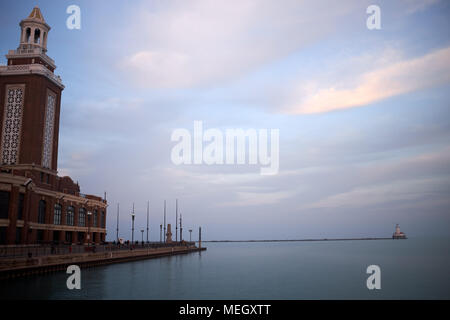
{"points": [[92, 261]]}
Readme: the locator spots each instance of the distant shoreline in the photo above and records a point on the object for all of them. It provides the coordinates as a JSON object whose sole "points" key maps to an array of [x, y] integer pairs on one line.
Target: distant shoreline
{"points": [[302, 240]]}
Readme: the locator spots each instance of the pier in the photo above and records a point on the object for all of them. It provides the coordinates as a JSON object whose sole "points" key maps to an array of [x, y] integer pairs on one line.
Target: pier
{"points": [[301, 240], [20, 266]]}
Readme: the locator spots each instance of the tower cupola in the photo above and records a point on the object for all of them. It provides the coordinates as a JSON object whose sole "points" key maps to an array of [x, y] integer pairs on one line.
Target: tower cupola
{"points": [[34, 32]]}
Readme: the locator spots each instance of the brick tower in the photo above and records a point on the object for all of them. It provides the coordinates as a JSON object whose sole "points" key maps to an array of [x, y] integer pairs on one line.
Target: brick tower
{"points": [[32, 99], [36, 205]]}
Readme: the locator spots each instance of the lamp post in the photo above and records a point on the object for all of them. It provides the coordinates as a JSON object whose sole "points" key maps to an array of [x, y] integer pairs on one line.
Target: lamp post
{"points": [[160, 233], [132, 227], [117, 229], [190, 235], [89, 214], [142, 231], [148, 208]]}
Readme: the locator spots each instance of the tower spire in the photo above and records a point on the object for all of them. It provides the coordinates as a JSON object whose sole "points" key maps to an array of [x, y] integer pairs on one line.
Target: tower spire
{"points": [[36, 14]]}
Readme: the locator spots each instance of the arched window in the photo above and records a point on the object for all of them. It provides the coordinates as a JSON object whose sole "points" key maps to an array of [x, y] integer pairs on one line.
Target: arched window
{"points": [[41, 211], [95, 218], [82, 217], [37, 36], [28, 35], [70, 216], [57, 215]]}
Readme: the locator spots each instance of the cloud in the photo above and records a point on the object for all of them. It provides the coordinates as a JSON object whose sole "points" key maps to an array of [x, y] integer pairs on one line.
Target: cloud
{"points": [[418, 5], [77, 164], [400, 191], [193, 43], [245, 50], [245, 199], [217, 178], [421, 177], [110, 104], [372, 86]]}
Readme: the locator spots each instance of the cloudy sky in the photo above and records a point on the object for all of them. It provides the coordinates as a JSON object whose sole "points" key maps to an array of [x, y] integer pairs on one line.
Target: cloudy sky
{"points": [[364, 115]]}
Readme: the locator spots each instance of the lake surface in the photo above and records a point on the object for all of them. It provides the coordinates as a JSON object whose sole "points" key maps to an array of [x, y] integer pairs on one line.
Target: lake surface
{"points": [[410, 269]]}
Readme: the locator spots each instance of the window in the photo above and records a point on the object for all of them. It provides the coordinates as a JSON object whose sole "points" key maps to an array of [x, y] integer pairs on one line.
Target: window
{"points": [[40, 236], [95, 218], [28, 35], [4, 204], [102, 219], [56, 236], [70, 216], [57, 215], [20, 206], [37, 36], [82, 217], [18, 235], [69, 237], [41, 211], [2, 235]]}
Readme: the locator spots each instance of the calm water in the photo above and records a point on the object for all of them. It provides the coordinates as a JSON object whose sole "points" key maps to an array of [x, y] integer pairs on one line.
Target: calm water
{"points": [[410, 269]]}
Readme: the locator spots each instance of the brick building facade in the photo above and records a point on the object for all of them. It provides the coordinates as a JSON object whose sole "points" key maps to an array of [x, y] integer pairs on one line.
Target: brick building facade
{"points": [[36, 205]]}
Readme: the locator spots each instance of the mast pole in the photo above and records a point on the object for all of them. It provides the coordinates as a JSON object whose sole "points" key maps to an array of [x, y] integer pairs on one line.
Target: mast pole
{"points": [[148, 206], [176, 219], [117, 229], [181, 229], [164, 235]]}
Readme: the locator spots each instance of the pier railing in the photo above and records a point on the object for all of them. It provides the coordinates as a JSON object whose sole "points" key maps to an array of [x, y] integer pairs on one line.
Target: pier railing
{"points": [[30, 251]]}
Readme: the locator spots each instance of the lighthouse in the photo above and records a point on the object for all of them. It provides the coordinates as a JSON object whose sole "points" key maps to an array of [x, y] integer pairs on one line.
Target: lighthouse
{"points": [[398, 234], [169, 234]]}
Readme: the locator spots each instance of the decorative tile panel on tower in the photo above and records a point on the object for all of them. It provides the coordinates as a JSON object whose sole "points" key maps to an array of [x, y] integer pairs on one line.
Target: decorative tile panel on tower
{"points": [[12, 124], [48, 130]]}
